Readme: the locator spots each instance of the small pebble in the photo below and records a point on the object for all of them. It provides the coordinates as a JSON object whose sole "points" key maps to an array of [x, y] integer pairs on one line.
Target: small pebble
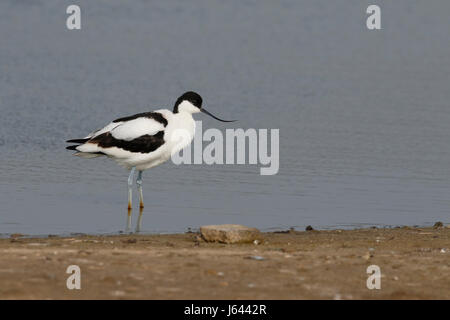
{"points": [[259, 258], [37, 244], [118, 293], [337, 296], [129, 241], [16, 235], [438, 225], [367, 256]]}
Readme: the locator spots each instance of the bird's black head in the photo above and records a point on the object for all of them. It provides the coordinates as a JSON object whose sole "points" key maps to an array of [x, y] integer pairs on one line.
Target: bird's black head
{"points": [[190, 101]]}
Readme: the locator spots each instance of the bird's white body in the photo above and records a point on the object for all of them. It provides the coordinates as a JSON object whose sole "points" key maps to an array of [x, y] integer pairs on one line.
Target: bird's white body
{"points": [[178, 133]]}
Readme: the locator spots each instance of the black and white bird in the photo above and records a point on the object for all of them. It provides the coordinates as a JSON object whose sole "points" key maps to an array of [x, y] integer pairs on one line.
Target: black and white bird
{"points": [[144, 140]]}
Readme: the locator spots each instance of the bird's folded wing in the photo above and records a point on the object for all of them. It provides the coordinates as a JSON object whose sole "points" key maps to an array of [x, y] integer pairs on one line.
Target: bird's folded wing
{"points": [[142, 133], [106, 128], [131, 127], [136, 128]]}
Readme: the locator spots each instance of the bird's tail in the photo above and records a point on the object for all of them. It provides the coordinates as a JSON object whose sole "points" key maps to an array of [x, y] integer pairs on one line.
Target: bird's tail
{"points": [[78, 141], [74, 147], [78, 153]]}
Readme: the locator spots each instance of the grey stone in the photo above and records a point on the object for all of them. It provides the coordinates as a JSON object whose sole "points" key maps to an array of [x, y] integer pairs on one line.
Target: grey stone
{"points": [[230, 233]]}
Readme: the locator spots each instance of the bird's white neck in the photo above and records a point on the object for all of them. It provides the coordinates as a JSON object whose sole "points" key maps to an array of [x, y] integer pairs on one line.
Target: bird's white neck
{"points": [[180, 130]]}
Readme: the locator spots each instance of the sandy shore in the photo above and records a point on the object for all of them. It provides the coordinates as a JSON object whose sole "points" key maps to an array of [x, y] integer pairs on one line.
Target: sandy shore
{"points": [[414, 263]]}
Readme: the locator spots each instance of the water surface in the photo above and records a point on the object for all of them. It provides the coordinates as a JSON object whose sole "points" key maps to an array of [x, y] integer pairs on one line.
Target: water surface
{"points": [[363, 115]]}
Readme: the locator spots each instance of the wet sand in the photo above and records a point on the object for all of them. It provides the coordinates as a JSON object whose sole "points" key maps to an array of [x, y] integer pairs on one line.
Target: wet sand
{"points": [[414, 262]]}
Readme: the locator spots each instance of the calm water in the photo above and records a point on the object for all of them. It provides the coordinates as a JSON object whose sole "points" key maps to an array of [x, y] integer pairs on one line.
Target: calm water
{"points": [[363, 115]]}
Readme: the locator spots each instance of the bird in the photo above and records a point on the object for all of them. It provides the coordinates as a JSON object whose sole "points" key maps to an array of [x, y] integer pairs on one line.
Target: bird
{"points": [[144, 140]]}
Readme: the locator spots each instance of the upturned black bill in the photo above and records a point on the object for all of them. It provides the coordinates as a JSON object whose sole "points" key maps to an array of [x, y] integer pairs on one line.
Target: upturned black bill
{"points": [[209, 114]]}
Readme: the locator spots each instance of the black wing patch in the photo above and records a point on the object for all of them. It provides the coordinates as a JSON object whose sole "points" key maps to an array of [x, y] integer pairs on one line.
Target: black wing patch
{"points": [[78, 140], [143, 144], [153, 115]]}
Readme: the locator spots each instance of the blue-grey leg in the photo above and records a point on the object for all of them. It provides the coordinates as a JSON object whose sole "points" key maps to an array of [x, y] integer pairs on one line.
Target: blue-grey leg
{"points": [[139, 221], [130, 186], [139, 185], [128, 228]]}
